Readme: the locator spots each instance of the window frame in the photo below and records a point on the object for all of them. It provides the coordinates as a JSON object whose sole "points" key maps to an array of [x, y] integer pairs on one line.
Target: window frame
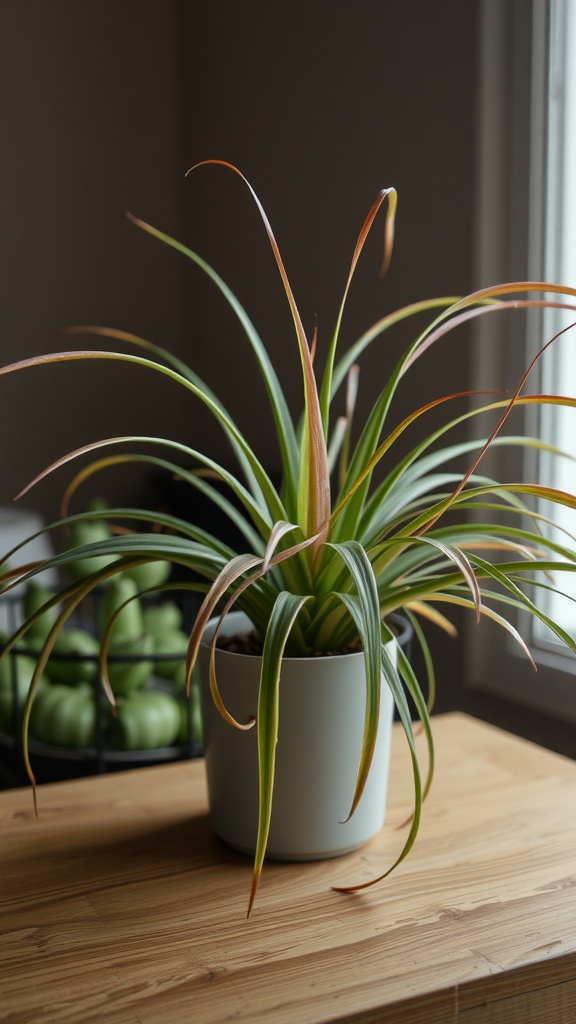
{"points": [[513, 203]]}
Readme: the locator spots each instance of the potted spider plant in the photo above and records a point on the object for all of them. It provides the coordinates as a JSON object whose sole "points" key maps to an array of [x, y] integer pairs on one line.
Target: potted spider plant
{"points": [[328, 557]]}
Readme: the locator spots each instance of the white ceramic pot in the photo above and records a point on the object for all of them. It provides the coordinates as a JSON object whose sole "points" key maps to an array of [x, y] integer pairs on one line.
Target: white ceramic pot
{"points": [[322, 702]]}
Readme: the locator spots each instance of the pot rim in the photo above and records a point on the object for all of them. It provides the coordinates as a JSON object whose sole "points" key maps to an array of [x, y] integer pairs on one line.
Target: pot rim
{"points": [[401, 623]]}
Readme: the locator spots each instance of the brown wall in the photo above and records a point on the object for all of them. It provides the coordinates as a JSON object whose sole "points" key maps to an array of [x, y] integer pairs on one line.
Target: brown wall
{"points": [[104, 106], [90, 128]]}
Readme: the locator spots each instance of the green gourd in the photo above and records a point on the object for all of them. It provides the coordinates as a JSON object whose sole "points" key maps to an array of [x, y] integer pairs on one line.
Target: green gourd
{"points": [[162, 618], [82, 648], [121, 593], [89, 531], [174, 642], [24, 667], [127, 676], [146, 721], [35, 596], [65, 716], [149, 575]]}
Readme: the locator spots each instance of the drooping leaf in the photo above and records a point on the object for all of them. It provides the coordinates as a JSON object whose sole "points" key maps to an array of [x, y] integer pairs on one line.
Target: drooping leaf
{"points": [[284, 612]]}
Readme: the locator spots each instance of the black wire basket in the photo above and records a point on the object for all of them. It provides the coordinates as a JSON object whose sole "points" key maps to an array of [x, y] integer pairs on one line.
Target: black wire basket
{"points": [[108, 749]]}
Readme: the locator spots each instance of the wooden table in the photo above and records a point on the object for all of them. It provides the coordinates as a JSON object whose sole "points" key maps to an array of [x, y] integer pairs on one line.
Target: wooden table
{"points": [[119, 905]]}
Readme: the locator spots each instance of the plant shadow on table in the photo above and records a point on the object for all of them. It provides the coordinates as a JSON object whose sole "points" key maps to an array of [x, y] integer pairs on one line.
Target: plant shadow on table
{"points": [[140, 853], [155, 845]]}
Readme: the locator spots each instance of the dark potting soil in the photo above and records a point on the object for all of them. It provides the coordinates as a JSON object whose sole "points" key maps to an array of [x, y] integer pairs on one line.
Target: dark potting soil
{"points": [[250, 643]]}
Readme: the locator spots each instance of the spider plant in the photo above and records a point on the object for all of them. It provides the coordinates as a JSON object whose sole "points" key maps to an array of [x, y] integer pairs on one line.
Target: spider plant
{"points": [[335, 548]]}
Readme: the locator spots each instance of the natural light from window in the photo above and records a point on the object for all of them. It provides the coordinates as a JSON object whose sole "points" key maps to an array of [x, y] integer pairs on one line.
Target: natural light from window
{"points": [[559, 373]]}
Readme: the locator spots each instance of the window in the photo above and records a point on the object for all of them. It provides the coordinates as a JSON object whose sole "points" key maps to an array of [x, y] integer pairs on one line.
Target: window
{"points": [[527, 229], [559, 260]]}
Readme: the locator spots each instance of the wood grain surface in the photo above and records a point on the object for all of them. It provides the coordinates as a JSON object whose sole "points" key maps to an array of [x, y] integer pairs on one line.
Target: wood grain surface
{"points": [[119, 905]]}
